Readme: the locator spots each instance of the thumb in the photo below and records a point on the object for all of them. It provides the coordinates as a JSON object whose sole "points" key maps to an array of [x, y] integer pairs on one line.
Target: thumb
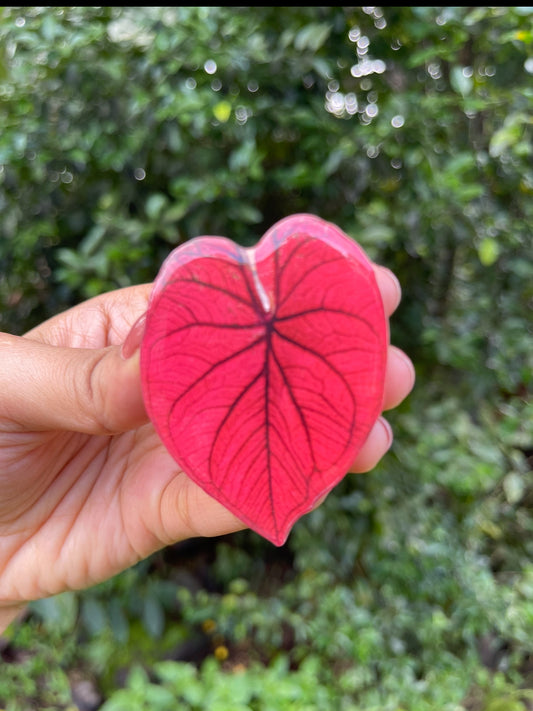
{"points": [[44, 387]]}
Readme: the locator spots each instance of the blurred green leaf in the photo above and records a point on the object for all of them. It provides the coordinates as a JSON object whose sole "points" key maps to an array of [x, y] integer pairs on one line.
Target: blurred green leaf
{"points": [[488, 251], [60, 611], [312, 36], [222, 111], [505, 705], [153, 616], [155, 205], [514, 487], [461, 81]]}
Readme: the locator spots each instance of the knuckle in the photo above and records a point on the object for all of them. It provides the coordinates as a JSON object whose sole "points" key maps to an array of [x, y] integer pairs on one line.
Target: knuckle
{"points": [[94, 397]]}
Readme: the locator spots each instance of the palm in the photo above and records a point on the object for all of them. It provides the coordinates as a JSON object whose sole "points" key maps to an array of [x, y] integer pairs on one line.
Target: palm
{"points": [[88, 506]]}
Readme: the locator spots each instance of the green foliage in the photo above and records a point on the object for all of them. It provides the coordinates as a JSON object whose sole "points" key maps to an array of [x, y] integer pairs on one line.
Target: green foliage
{"points": [[127, 131], [242, 689], [37, 676], [402, 591]]}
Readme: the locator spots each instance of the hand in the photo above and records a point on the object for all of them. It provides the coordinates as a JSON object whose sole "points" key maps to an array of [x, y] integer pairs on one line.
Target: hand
{"points": [[86, 487]]}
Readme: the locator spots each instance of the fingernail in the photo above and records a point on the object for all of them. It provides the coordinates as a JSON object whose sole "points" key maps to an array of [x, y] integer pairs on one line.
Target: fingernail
{"points": [[133, 339], [388, 431], [394, 278], [397, 286], [408, 364]]}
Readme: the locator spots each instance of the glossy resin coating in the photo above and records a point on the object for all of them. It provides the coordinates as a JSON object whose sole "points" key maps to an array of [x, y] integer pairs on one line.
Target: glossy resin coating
{"points": [[263, 368]]}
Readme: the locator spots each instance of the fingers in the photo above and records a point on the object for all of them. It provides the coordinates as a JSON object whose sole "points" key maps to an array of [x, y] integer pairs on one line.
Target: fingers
{"points": [[399, 378], [399, 381], [377, 444], [389, 287], [188, 511], [43, 387], [400, 373], [104, 320]]}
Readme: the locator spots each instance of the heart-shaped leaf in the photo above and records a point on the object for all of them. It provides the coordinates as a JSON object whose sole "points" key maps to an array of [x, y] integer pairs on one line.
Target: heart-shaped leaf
{"points": [[263, 368]]}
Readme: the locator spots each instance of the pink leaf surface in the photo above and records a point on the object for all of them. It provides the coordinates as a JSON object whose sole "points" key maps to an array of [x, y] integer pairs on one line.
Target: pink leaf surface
{"points": [[263, 368]]}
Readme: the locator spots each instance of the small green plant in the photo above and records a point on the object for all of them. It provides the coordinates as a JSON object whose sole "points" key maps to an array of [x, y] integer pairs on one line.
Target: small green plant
{"points": [[256, 688]]}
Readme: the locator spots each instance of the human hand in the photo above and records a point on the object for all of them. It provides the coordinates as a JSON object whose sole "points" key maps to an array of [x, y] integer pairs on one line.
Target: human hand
{"points": [[86, 487]]}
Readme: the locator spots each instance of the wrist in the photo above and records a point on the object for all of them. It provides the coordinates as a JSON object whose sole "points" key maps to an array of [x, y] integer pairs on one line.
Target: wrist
{"points": [[8, 615]]}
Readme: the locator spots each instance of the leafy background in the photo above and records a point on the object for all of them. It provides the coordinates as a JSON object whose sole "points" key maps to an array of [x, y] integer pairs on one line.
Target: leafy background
{"points": [[127, 131]]}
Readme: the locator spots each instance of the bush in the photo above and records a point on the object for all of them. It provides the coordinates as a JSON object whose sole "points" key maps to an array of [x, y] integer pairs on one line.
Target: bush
{"points": [[127, 131]]}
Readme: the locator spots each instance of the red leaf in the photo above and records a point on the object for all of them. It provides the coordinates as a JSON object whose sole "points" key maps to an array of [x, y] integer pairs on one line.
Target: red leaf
{"points": [[263, 368]]}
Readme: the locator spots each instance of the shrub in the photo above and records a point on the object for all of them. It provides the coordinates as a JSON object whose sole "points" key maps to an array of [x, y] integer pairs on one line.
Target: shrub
{"points": [[127, 131]]}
